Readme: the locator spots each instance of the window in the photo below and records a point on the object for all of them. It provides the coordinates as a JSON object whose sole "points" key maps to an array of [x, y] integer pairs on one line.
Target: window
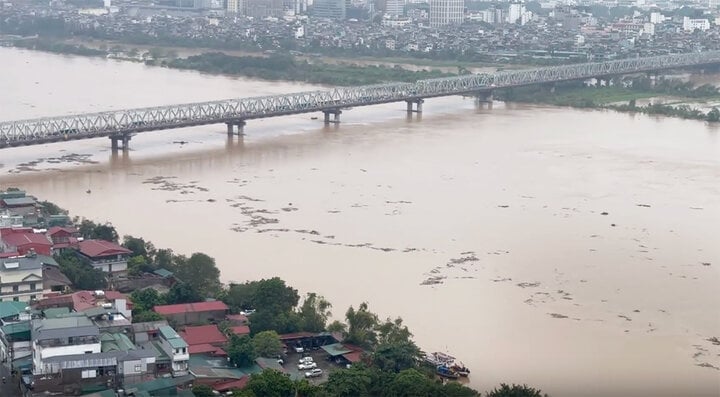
{"points": [[138, 368], [89, 373], [15, 288], [33, 297], [16, 299]]}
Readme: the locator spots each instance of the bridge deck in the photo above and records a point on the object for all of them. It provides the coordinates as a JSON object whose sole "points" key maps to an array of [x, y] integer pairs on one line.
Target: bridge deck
{"points": [[51, 129]]}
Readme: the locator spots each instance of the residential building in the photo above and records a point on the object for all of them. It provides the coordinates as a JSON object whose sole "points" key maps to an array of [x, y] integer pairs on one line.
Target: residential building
{"points": [[235, 6], [104, 255], [23, 241], [15, 343], [18, 204], [263, 8], [332, 9], [59, 337], [21, 278], [395, 8], [204, 339], [446, 12], [63, 238], [175, 347], [690, 25], [515, 12], [193, 313]]}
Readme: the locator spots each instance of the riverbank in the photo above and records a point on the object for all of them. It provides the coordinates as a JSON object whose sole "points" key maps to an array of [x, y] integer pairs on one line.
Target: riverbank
{"points": [[669, 97]]}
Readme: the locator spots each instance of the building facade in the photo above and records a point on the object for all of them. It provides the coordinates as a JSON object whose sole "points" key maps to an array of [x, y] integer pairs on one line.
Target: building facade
{"points": [[446, 12], [21, 278], [105, 255], [176, 348], [332, 9]]}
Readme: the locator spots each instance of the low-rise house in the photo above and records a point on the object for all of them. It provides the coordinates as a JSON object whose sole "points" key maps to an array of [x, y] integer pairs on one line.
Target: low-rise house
{"points": [[15, 343], [21, 278], [24, 241], [193, 313], [205, 339], [176, 349], [104, 255], [63, 237]]}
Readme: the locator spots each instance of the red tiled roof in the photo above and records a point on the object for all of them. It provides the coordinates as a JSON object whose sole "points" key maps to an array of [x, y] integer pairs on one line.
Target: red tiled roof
{"points": [[55, 229], [231, 385], [206, 348], [240, 330], [190, 307], [203, 334], [20, 239], [353, 357], [98, 248]]}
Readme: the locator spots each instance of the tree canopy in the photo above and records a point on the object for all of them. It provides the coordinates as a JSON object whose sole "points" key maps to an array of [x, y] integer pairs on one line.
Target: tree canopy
{"points": [[515, 391], [104, 231], [267, 344]]}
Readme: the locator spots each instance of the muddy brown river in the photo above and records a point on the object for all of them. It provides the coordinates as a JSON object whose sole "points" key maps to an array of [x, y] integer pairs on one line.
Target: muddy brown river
{"points": [[575, 251]]}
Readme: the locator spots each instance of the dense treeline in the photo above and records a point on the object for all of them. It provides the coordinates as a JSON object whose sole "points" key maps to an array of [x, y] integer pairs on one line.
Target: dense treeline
{"points": [[285, 67]]}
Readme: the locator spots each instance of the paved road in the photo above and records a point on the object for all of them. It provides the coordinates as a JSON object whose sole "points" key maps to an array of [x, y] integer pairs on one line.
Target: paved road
{"points": [[11, 386]]}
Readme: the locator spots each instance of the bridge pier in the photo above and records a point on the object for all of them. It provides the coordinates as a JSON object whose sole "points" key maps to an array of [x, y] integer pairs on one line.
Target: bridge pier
{"points": [[484, 96], [240, 124], [418, 105], [115, 139], [336, 116]]}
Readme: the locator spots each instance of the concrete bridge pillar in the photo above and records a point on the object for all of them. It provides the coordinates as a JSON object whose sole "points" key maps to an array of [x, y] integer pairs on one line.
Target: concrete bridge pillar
{"points": [[124, 138], [484, 96], [418, 105], [653, 76], [231, 127], [336, 116]]}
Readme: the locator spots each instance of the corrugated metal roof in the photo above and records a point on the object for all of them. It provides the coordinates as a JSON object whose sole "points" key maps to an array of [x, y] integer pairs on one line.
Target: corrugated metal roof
{"points": [[191, 307]]}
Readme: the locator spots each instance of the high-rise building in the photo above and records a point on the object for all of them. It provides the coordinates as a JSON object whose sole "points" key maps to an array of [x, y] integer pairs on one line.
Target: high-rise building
{"points": [[446, 12], [235, 6], [515, 11], [334, 9], [395, 8]]}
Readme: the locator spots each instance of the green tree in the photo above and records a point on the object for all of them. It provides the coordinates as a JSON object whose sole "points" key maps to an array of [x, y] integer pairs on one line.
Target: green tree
{"points": [[91, 230], [147, 316], [396, 356], [81, 274], [182, 292], [361, 326], [240, 296], [713, 115], [314, 313], [164, 258], [138, 265], [337, 326], [515, 391], [270, 383], [411, 383], [51, 208], [267, 344], [353, 382], [454, 389], [145, 300], [274, 296], [199, 271], [202, 391], [241, 351], [139, 247]]}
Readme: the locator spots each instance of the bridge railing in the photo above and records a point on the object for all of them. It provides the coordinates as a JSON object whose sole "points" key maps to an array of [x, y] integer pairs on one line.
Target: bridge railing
{"points": [[163, 117]]}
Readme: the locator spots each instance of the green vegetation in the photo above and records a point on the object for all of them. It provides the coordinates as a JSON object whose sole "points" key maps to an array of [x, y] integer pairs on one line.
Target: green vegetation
{"points": [[267, 344], [515, 391], [51, 208], [81, 274], [91, 230], [59, 47], [202, 391], [241, 350], [284, 67], [576, 94]]}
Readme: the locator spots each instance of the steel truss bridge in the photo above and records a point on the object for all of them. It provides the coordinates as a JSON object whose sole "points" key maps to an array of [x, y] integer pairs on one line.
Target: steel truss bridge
{"points": [[120, 124]]}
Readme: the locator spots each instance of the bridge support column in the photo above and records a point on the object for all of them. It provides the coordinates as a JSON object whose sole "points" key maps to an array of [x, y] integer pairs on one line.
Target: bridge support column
{"points": [[418, 105], [653, 76], [124, 138], [484, 97], [240, 124], [336, 116]]}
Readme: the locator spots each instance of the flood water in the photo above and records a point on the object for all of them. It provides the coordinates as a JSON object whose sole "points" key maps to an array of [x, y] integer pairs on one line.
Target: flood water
{"points": [[575, 251]]}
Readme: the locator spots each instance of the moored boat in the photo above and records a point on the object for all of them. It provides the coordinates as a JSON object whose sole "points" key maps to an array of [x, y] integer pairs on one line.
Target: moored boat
{"points": [[446, 372], [461, 369]]}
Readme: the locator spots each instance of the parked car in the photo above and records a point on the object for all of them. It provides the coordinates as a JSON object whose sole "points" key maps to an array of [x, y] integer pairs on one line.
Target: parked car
{"points": [[305, 360], [247, 312], [299, 349], [306, 366], [314, 373]]}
